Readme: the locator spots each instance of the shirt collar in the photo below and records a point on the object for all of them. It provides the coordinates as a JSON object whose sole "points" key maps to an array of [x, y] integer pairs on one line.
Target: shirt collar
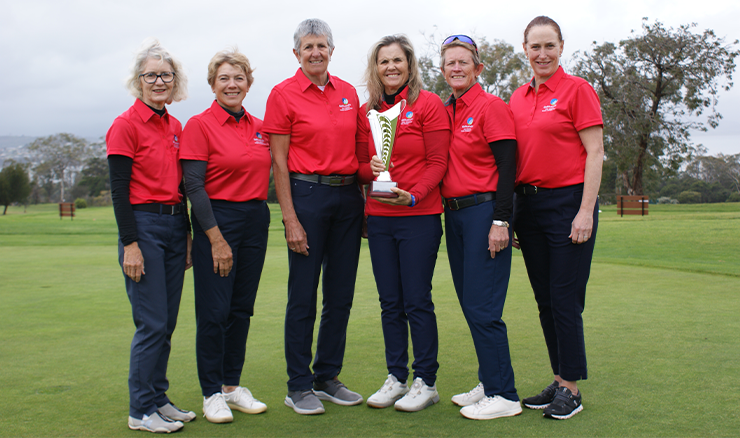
{"points": [[468, 96], [404, 94], [145, 112], [552, 83], [304, 82], [222, 116]]}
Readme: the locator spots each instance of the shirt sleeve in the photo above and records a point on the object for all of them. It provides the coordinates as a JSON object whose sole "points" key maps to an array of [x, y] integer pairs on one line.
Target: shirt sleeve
{"points": [[362, 143], [120, 139], [278, 119], [586, 108], [499, 122], [120, 178], [437, 145], [194, 142]]}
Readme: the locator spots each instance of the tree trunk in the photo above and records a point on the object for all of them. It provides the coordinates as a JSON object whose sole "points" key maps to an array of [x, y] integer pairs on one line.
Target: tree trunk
{"points": [[636, 185], [5, 211]]}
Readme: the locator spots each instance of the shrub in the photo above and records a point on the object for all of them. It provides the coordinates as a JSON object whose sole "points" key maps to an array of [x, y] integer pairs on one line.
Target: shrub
{"points": [[734, 197], [689, 197], [667, 200], [80, 203]]}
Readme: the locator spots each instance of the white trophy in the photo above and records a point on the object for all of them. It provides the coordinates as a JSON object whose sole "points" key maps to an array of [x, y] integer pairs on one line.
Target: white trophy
{"points": [[383, 127]]}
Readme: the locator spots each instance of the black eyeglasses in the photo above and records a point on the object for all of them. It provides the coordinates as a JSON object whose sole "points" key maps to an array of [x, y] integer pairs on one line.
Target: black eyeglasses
{"points": [[151, 78], [463, 38]]}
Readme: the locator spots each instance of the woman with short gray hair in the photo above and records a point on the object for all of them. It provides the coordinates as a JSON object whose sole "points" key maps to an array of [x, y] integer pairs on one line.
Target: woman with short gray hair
{"points": [[313, 115], [149, 205]]}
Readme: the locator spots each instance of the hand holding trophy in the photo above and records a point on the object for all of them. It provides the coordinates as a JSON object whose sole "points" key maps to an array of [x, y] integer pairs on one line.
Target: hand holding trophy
{"points": [[383, 127]]}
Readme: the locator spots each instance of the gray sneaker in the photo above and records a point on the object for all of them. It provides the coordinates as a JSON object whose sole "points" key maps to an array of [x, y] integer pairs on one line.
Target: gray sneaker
{"points": [[154, 423], [334, 391], [176, 414], [304, 402]]}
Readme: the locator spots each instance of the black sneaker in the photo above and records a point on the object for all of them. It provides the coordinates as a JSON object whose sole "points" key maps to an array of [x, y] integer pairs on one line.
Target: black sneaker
{"points": [[565, 404], [543, 399]]}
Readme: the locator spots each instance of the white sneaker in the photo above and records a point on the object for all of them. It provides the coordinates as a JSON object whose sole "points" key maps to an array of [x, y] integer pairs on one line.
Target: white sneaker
{"points": [[391, 391], [419, 397], [241, 400], [215, 409], [469, 398], [492, 407], [156, 423]]}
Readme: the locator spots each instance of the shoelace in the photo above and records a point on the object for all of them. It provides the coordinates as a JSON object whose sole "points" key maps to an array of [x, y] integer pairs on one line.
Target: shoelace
{"points": [[475, 390], [485, 401], [219, 402], [387, 386]]}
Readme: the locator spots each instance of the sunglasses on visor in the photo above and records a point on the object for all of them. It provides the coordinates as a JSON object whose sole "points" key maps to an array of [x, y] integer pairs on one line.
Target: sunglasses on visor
{"points": [[463, 38]]}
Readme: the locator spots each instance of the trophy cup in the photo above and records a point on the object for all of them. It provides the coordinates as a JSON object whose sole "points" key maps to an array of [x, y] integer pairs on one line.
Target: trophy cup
{"points": [[383, 127]]}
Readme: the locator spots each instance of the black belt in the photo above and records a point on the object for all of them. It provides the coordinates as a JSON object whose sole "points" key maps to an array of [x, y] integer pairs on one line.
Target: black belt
{"points": [[160, 208], [329, 180], [527, 189], [469, 201]]}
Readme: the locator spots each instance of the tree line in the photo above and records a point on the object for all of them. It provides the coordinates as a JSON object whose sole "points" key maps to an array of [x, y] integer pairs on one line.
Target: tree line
{"points": [[656, 87]]}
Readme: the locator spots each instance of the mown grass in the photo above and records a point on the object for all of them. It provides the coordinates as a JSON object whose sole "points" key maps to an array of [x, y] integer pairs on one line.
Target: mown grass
{"points": [[661, 331]]}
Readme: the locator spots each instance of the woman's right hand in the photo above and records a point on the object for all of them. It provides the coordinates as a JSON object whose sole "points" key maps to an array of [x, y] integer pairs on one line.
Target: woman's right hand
{"points": [[133, 261], [376, 165], [222, 257], [296, 237]]}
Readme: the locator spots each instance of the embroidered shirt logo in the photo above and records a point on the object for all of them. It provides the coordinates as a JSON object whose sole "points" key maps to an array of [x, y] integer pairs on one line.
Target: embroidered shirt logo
{"points": [[550, 107], [409, 119], [176, 143], [259, 140], [468, 125], [345, 105]]}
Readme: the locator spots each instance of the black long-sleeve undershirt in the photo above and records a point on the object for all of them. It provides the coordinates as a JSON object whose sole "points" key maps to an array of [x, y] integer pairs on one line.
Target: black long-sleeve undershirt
{"points": [[504, 152]]}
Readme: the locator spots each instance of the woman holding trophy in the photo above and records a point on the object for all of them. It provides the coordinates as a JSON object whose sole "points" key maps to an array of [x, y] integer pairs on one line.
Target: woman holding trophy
{"points": [[478, 189], [404, 225]]}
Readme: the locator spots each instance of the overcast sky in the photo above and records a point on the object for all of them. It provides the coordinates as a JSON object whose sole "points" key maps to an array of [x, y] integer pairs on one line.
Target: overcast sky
{"points": [[64, 61]]}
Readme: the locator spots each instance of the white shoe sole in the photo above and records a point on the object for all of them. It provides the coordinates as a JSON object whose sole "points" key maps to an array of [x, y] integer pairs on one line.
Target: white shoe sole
{"points": [[338, 401], [378, 405], [565, 417], [536, 406], [509, 413], [258, 410], [219, 420], [432, 401], [468, 402], [289, 403]]}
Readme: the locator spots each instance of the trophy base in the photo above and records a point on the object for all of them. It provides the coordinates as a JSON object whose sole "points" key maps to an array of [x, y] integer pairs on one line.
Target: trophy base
{"points": [[382, 189]]}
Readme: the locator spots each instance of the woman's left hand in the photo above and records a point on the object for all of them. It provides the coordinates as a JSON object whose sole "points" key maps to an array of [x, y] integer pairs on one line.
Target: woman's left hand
{"points": [[498, 239], [189, 254], [581, 227], [404, 197]]}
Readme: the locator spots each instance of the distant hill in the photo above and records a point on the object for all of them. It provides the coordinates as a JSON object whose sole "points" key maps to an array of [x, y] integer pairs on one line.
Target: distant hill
{"points": [[11, 141]]}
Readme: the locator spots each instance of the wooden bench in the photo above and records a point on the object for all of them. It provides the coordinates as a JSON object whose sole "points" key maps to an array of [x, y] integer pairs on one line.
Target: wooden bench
{"points": [[66, 209], [632, 205]]}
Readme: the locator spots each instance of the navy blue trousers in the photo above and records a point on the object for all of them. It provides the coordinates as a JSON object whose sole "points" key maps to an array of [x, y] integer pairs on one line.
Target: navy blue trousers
{"points": [[558, 271], [155, 302], [224, 305], [481, 283], [404, 252], [332, 218]]}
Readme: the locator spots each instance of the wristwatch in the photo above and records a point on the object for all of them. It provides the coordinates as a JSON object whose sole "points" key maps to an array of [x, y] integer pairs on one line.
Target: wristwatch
{"points": [[501, 224]]}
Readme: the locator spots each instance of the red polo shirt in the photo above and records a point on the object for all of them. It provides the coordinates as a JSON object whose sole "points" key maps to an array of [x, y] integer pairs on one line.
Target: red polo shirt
{"points": [[321, 124], [153, 143], [417, 167], [550, 152], [238, 154], [478, 119]]}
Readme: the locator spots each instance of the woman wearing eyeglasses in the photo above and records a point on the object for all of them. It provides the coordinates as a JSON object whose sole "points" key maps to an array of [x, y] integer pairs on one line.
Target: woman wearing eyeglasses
{"points": [[226, 161], [153, 229], [478, 190], [404, 232], [561, 151]]}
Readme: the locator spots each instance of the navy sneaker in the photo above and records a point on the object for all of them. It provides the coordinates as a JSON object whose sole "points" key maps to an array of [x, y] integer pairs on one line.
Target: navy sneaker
{"points": [[565, 404], [543, 399]]}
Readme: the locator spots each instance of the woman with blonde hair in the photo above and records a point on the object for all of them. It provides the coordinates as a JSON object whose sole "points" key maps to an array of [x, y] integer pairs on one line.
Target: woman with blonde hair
{"points": [[404, 232], [226, 160]]}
